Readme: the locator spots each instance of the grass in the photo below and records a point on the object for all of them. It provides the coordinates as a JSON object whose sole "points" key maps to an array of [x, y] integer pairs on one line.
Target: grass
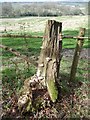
{"points": [[71, 43], [37, 24], [15, 71], [13, 78], [19, 44], [32, 48]]}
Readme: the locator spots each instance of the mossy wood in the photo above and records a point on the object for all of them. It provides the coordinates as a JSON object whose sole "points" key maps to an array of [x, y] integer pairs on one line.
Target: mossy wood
{"points": [[48, 68], [78, 49], [50, 56]]}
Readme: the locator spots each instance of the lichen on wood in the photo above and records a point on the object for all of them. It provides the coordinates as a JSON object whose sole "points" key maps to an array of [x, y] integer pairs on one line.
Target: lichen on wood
{"points": [[50, 56], [47, 72], [52, 89], [25, 97]]}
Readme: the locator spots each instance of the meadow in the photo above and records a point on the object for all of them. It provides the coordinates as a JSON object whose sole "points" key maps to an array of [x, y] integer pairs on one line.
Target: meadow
{"points": [[15, 70], [36, 25]]}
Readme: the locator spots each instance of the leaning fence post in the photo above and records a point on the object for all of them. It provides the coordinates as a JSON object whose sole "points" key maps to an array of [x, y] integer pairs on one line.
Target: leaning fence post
{"points": [[78, 49], [49, 60]]}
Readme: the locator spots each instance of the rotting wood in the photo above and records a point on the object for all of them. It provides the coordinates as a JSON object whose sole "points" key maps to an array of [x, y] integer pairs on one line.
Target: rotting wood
{"points": [[13, 51], [78, 49], [50, 56]]}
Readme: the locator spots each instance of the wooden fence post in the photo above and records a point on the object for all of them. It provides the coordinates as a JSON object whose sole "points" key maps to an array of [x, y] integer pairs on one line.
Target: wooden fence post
{"points": [[50, 56], [48, 67], [78, 49]]}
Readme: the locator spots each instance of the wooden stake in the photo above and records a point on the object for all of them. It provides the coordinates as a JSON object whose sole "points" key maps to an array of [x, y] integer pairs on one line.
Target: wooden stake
{"points": [[78, 49]]}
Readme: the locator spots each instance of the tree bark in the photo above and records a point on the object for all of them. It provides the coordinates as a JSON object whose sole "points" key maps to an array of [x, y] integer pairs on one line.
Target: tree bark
{"points": [[48, 68], [50, 56], [78, 49]]}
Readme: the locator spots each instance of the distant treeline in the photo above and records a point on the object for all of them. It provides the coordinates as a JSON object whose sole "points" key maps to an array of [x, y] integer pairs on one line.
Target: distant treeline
{"points": [[42, 9]]}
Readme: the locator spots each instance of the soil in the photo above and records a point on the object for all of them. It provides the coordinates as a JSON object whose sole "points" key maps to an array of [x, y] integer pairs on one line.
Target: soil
{"points": [[70, 52]]}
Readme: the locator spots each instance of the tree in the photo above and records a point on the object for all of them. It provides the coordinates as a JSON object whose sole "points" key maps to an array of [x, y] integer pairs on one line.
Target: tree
{"points": [[7, 9]]}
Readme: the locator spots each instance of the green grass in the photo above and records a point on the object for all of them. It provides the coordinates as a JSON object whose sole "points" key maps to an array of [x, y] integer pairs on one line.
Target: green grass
{"points": [[19, 44], [19, 71], [71, 43], [14, 72], [35, 43], [13, 78]]}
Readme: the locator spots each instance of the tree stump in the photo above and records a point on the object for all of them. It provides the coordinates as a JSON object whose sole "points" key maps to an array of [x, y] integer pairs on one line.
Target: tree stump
{"points": [[50, 56], [48, 69]]}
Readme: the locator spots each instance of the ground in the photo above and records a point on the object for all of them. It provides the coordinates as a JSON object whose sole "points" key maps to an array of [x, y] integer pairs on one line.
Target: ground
{"points": [[73, 101]]}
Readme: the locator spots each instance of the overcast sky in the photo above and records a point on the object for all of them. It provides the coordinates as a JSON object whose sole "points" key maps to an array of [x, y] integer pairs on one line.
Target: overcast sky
{"points": [[40, 0]]}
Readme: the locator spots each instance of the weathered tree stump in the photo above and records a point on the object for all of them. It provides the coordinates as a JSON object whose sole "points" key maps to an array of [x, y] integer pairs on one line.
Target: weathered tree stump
{"points": [[50, 56], [48, 68]]}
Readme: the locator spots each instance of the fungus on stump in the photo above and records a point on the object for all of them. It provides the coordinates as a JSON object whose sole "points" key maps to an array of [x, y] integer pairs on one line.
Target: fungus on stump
{"points": [[50, 56]]}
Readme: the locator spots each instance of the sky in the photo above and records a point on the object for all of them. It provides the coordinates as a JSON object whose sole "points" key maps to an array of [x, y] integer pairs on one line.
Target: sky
{"points": [[40, 0]]}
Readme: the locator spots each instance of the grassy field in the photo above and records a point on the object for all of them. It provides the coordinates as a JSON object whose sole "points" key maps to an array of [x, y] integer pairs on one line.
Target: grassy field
{"points": [[37, 24], [15, 70]]}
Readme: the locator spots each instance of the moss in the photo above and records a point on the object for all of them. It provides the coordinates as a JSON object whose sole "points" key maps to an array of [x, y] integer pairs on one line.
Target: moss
{"points": [[38, 103], [52, 89], [29, 106]]}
